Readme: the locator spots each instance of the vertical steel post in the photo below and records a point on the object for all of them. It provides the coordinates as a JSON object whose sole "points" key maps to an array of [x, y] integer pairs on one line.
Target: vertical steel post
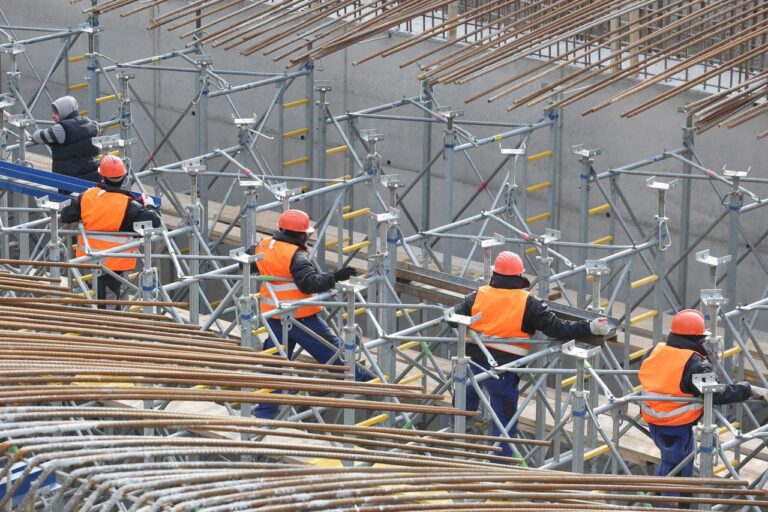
{"points": [[523, 203], [54, 244], [707, 384], [92, 77], [712, 299], [555, 128], [319, 203], [735, 200], [586, 159], [203, 62], [460, 367], [126, 120], [662, 244], [280, 106], [544, 272], [449, 157], [373, 168], [685, 212], [247, 307], [349, 289], [309, 119], [194, 213], [426, 158], [580, 397]]}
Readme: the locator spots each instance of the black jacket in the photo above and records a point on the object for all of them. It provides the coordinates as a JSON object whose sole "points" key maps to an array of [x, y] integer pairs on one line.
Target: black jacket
{"points": [[134, 211], [77, 155], [307, 277], [537, 317], [699, 363]]}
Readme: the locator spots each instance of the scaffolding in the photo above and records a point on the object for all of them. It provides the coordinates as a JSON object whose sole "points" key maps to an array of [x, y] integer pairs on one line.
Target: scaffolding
{"points": [[579, 405]]}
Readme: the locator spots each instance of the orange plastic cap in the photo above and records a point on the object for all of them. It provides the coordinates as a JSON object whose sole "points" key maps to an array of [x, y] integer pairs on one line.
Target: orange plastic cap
{"points": [[295, 220], [112, 167], [689, 322], [509, 264]]}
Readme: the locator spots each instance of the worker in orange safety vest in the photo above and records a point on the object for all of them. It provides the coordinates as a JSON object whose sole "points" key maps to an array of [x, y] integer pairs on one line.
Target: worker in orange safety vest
{"points": [[107, 208], [668, 370], [294, 276], [510, 311]]}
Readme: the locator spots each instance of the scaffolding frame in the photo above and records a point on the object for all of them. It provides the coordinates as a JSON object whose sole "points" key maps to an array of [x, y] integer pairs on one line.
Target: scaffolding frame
{"points": [[589, 395]]}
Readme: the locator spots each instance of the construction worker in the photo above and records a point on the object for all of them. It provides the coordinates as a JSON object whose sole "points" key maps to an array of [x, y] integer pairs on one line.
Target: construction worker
{"points": [[510, 311], [106, 207], [285, 257], [668, 370], [72, 152]]}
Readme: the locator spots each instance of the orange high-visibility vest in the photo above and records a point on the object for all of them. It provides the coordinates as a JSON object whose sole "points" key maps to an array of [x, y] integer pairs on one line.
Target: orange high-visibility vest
{"points": [[660, 374], [101, 210], [277, 263], [502, 316]]}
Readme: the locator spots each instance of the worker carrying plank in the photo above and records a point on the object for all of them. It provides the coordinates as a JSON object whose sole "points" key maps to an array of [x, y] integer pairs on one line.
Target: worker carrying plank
{"points": [[285, 257], [106, 207], [510, 311], [668, 370], [73, 153]]}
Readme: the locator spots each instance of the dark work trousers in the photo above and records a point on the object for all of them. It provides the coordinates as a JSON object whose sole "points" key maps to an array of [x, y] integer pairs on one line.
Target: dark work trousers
{"points": [[675, 444], [108, 289], [312, 346], [503, 395]]}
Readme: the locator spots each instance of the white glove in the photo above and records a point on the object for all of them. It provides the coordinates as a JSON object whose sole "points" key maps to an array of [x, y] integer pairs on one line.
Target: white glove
{"points": [[600, 327], [146, 200], [760, 393]]}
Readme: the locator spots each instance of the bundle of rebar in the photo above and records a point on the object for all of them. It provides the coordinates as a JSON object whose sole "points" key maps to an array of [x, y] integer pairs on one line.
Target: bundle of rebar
{"points": [[585, 46], [100, 459]]}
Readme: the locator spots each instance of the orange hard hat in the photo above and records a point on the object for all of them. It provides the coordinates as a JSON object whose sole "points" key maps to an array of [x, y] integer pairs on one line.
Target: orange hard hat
{"points": [[689, 322], [508, 264], [295, 220], [112, 167]]}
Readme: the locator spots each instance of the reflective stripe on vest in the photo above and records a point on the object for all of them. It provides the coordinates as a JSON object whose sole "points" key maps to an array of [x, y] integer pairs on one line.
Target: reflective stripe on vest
{"points": [[277, 262], [101, 210], [660, 374], [502, 316]]}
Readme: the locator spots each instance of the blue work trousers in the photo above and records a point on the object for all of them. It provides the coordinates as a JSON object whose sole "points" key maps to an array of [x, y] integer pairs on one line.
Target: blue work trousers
{"points": [[503, 395], [675, 444], [312, 346]]}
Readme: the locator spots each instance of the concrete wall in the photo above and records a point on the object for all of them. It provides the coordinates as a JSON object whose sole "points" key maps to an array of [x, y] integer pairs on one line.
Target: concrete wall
{"points": [[380, 81]]}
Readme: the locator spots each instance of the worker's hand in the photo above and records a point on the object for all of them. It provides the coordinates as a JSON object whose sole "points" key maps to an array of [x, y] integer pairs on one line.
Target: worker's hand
{"points": [[600, 327], [760, 393], [344, 273], [146, 200]]}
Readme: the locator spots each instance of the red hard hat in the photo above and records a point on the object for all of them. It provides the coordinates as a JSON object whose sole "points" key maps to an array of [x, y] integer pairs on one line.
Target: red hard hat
{"points": [[509, 264], [295, 220], [689, 322], [112, 167]]}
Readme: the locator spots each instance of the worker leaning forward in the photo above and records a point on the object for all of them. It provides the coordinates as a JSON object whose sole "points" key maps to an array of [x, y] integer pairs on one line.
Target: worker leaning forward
{"points": [[510, 311], [70, 138], [286, 258], [107, 208], [668, 370]]}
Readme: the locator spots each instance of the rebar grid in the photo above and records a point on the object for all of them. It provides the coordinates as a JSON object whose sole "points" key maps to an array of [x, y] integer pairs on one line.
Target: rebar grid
{"points": [[709, 45]]}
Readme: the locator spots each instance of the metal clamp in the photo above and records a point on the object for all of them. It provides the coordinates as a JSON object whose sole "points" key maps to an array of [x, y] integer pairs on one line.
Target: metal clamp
{"points": [[584, 354], [706, 258], [707, 383], [713, 297], [353, 285], [581, 151], [240, 256], [652, 182], [596, 268], [449, 315]]}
